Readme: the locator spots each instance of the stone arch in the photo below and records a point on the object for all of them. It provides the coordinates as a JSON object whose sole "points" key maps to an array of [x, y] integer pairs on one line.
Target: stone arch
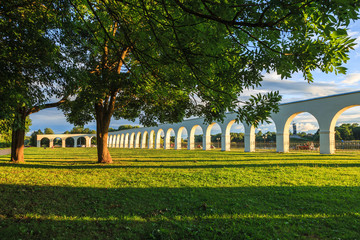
{"points": [[45, 142], [144, 139], [93, 141], [330, 140], [122, 138], [110, 140], [337, 115], [117, 141], [57, 142], [167, 139], [126, 140], [113, 142], [191, 141], [81, 141], [158, 138], [214, 140], [137, 139], [132, 138], [69, 142], [226, 135], [151, 139], [178, 137], [282, 130]]}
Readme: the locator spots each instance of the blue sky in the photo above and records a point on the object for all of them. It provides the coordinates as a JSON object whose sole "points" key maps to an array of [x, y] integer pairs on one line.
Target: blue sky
{"points": [[293, 89]]}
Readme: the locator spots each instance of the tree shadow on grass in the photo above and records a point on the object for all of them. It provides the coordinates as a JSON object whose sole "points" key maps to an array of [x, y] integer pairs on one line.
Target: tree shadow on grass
{"points": [[93, 165], [44, 212]]}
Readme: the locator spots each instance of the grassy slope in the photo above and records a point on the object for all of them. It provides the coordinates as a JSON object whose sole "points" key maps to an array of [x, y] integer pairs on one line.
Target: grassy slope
{"points": [[157, 194]]}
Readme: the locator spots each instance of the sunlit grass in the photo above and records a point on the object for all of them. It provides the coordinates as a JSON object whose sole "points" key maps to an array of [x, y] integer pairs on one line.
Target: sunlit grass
{"points": [[168, 194]]}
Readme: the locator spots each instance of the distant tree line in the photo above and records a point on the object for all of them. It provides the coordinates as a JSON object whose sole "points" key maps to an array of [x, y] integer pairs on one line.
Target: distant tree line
{"points": [[122, 127]]}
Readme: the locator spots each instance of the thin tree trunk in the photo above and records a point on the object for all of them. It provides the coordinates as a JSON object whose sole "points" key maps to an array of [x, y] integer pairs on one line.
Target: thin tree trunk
{"points": [[17, 143], [102, 128]]}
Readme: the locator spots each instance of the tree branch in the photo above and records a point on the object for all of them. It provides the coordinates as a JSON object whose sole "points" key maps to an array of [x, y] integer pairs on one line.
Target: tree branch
{"points": [[48, 105]]}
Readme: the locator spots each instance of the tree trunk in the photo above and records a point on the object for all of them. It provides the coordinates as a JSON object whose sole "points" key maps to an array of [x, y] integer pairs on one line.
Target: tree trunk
{"points": [[102, 128], [17, 143]]}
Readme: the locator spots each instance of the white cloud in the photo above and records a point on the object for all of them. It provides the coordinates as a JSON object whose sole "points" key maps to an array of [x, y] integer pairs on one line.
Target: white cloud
{"points": [[297, 88], [356, 35], [306, 127], [351, 78]]}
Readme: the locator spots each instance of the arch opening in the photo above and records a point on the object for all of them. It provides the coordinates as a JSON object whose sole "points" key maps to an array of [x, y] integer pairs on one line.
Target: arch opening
{"points": [[346, 129], [57, 142], [303, 132], [137, 140], [93, 141], [122, 139], [81, 142], [265, 136], [169, 139], [126, 140], [181, 138], [45, 142], [110, 140], [159, 139], [144, 139], [132, 140], [196, 137], [215, 136], [117, 141], [69, 142], [237, 135]]}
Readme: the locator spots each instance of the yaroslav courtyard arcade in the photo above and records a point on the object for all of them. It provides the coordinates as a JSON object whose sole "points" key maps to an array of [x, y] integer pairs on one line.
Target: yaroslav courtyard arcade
{"points": [[326, 110]]}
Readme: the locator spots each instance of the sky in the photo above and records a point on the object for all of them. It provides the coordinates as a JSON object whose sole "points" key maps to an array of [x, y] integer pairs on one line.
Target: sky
{"points": [[293, 89]]}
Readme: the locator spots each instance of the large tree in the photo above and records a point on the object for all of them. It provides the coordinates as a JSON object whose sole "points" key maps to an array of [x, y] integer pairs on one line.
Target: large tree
{"points": [[30, 69], [164, 60]]}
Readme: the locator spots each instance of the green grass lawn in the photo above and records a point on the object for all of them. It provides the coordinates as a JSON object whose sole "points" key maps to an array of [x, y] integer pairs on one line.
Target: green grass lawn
{"points": [[167, 194]]}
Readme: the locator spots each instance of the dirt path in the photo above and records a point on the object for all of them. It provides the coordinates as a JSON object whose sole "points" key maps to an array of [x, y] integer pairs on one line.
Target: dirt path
{"points": [[5, 151]]}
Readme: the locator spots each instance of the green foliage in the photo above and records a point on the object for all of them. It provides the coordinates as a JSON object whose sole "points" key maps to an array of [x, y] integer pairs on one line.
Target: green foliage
{"points": [[147, 194], [80, 129], [267, 137], [123, 127], [6, 130], [347, 131], [30, 59], [237, 137], [48, 131]]}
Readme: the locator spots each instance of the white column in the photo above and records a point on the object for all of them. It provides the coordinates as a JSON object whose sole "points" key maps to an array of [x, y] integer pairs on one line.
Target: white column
{"points": [[122, 141], [87, 142], [75, 141], [177, 141], [167, 140], [113, 140], [249, 138], [151, 141], [157, 140], [126, 141], [38, 143], [225, 142], [282, 142], [143, 142], [131, 143], [51, 143], [190, 142], [327, 142], [63, 142], [206, 141]]}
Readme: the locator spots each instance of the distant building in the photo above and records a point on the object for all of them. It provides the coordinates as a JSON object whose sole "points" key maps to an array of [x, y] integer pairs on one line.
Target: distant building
{"points": [[294, 129]]}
